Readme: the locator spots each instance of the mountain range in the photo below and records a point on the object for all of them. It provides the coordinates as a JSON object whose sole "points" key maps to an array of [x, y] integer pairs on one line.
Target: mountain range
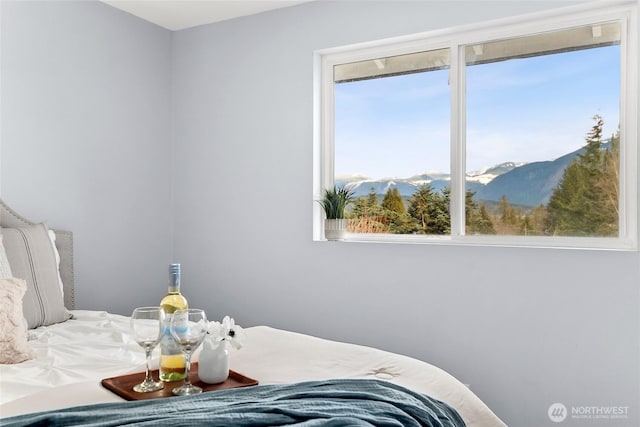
{"points": [[525, 184]]}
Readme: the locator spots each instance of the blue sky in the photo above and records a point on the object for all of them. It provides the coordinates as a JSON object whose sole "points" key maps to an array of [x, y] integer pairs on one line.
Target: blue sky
{"points": [[521, 110]]}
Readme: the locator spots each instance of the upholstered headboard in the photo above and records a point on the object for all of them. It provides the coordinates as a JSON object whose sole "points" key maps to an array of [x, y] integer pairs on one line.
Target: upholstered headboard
{"points": [[64, 243]]}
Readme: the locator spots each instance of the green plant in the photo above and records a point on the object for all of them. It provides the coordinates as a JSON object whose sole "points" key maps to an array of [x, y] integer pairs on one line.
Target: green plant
{"points": [[335, 200]]}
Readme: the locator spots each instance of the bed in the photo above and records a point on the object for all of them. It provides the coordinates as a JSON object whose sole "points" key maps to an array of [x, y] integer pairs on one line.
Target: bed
{"points": [[302, 379]]}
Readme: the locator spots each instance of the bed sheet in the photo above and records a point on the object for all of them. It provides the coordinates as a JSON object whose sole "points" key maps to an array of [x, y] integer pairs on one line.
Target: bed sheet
{"points": [[72, 358]]}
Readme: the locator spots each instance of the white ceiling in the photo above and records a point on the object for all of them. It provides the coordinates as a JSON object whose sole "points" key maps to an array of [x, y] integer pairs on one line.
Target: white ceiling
{"points": [[180, 14]]}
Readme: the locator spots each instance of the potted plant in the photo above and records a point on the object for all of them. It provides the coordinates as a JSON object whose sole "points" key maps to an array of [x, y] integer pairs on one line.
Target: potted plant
{"points": [[334, 201]]}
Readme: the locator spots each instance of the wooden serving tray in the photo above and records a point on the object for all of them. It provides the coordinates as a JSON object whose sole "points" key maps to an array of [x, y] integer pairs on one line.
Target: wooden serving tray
{"points": [[123, 385]]}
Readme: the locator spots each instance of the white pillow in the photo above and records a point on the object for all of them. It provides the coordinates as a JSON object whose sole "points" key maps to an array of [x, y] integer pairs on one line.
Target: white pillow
{"points": [[32, 258], [13, 332], [5, 268]]}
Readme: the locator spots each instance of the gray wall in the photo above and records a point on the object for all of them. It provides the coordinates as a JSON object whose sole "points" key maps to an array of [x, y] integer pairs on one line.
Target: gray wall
{"points": [[525, 327], [86, 129], [88, 98]]}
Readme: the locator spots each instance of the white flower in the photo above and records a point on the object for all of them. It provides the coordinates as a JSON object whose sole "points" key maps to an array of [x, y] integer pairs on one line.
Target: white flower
{"points": [[233, 333], [227, 331], [215, 330]]}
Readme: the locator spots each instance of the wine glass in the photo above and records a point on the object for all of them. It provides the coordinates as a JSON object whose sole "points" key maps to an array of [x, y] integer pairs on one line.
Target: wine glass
{"points": [[188, 328], [146, 323]]}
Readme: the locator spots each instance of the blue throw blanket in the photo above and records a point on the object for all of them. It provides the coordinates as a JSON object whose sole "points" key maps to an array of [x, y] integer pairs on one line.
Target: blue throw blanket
{"points": [[339, 402]]}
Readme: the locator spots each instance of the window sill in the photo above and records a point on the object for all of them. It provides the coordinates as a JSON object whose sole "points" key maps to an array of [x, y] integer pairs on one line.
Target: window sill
{"points": [[579, 243]]}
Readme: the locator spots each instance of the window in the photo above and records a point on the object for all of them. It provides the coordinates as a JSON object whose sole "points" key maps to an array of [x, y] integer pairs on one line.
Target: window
{"points": [[519, 134]]}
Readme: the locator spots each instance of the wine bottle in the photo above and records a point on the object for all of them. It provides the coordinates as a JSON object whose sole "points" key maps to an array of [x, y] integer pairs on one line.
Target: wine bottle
{"points": [[172, 364]]}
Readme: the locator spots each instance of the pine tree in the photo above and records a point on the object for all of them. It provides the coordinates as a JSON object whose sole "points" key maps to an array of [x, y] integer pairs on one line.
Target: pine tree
{"points": [[430, 210], [372, 200], [507, 213], [608, 187], [395, 214], [419, 207], [585, 203], [366, 206], [393, 201], [534, 222], [567, 203], [367, 215], [477, 219], [485, 225]]}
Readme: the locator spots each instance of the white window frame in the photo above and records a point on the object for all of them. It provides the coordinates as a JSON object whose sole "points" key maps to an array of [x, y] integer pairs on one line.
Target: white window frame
{"points": [[455, 39]]}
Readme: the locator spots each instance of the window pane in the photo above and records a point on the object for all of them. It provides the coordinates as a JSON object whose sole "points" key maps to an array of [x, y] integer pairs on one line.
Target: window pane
{"points": [[392, 142], [542, 134]]}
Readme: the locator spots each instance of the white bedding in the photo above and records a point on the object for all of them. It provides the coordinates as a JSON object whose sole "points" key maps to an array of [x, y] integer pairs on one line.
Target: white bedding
{"points": [[72, 358]]}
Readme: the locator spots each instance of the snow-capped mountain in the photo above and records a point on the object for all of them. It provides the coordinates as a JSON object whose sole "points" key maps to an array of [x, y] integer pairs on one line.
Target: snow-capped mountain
{"points": [[362, 185], [528, 184], [487, 175]]}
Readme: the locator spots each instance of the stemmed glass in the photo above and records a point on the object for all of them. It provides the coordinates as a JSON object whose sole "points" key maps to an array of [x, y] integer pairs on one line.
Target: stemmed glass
{"points": [[188, 328], [146, 323]]}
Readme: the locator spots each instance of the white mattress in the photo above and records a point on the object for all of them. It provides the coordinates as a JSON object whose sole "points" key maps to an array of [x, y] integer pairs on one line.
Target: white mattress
{"points": [[73, 357]]}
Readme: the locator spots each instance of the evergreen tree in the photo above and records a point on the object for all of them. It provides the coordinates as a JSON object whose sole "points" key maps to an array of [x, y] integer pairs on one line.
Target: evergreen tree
{"points": [[567, 203], [485, 225], [368, 216], [419, 204], [372, 200], [393, 201], [366, 206], [442, 224], [585, 203], [395, 214], [534, 222], [477, 218], [609, 188], [430, 210], [403, 224], [507, 212]]}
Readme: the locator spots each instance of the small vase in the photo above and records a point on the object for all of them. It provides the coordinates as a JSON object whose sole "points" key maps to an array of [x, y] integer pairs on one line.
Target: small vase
{"points": [[335, 229], [213, 363]]}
